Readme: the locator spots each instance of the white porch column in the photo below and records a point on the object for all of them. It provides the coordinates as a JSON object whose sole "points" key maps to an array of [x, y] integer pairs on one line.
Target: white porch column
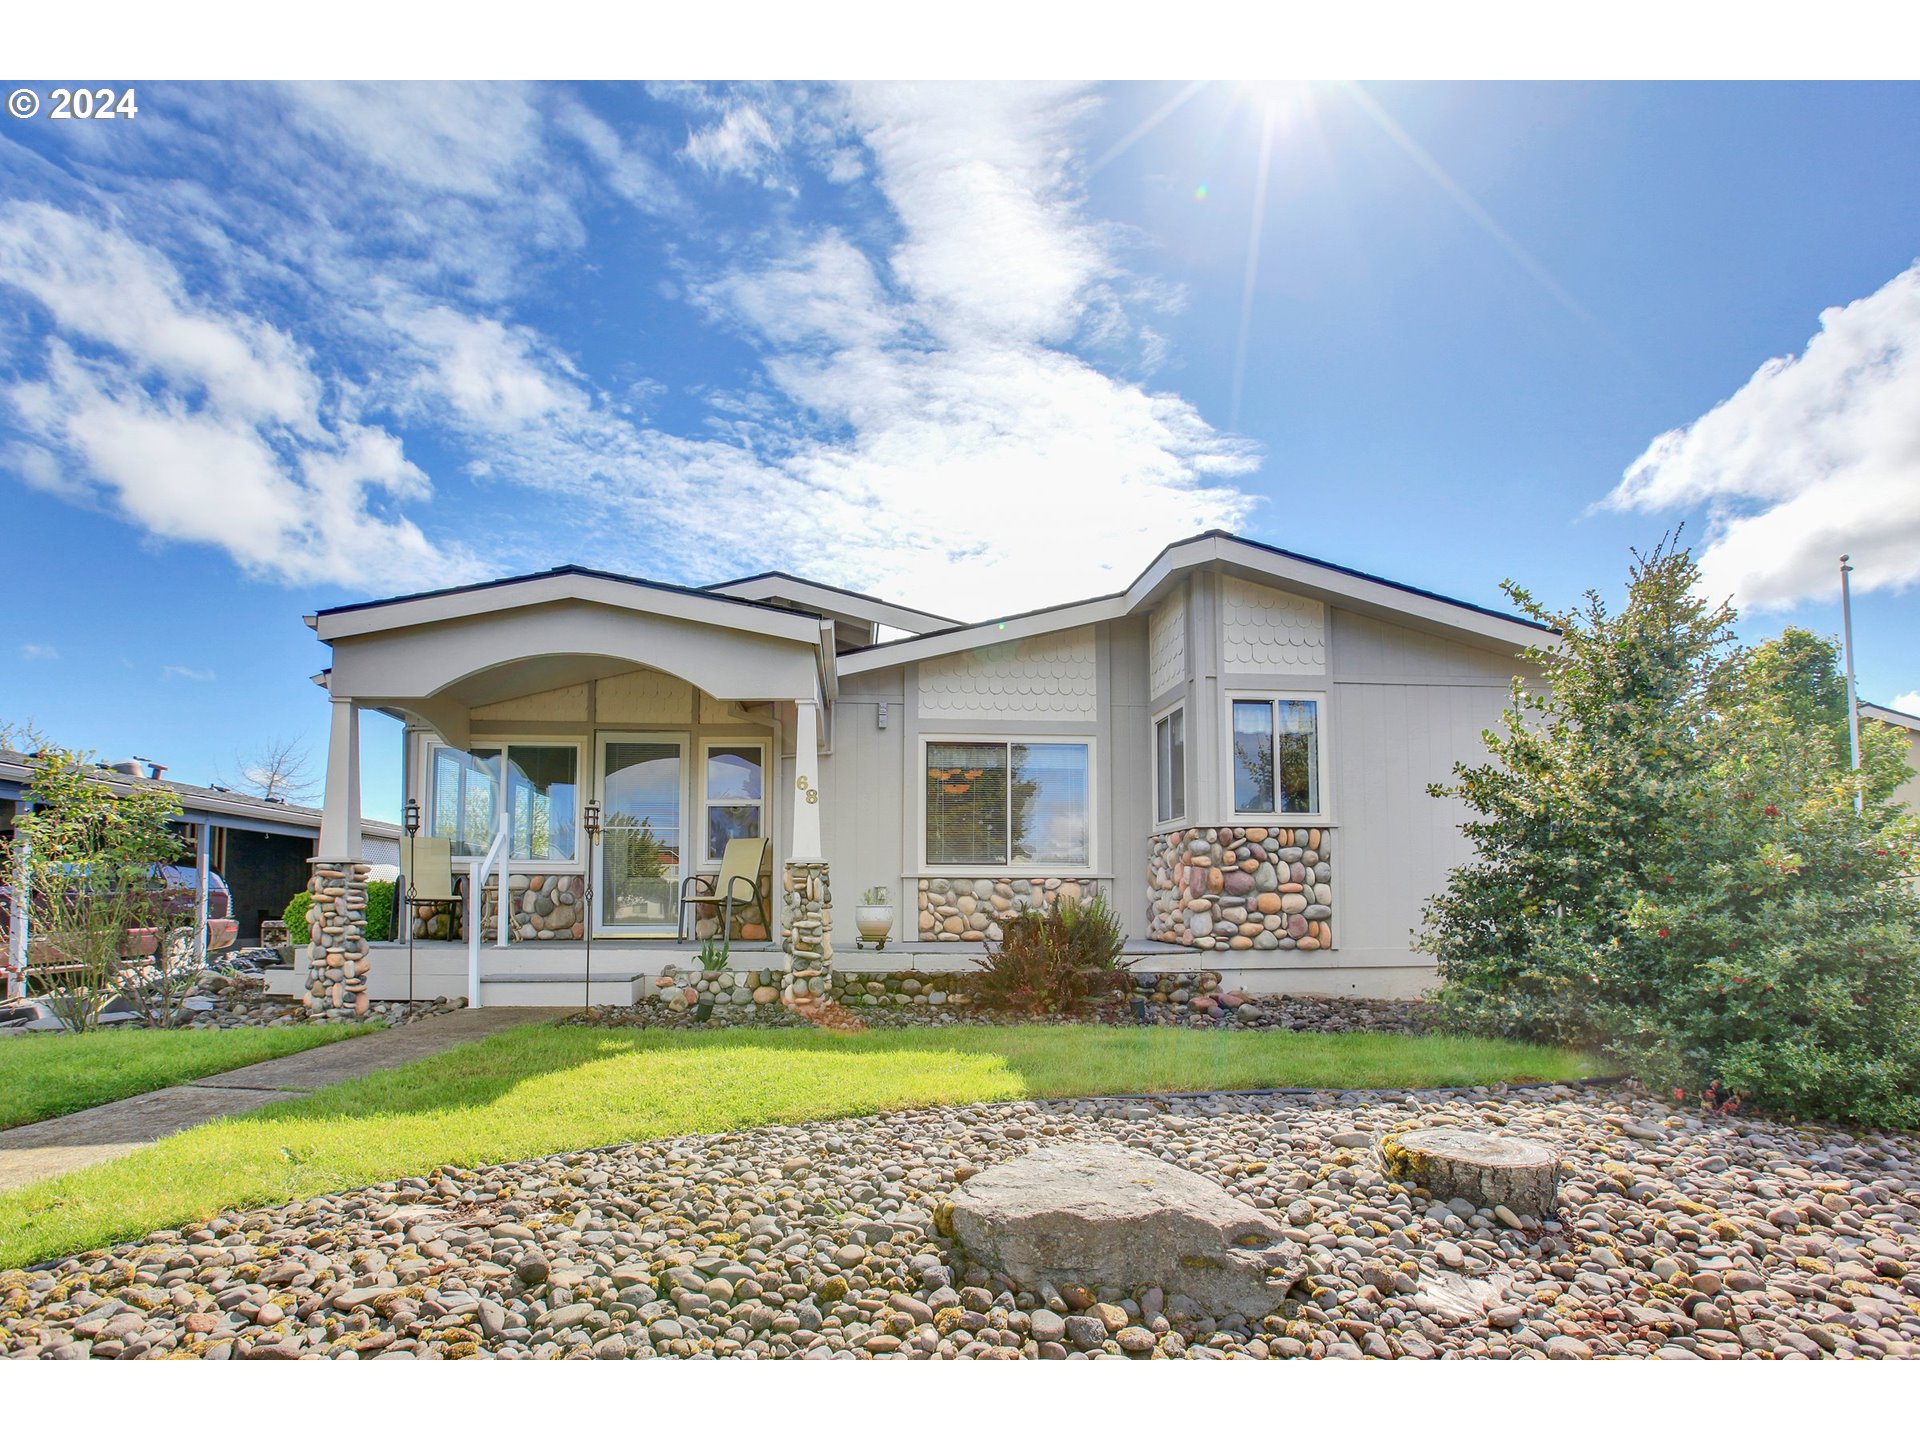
{"points": [[806, 779], [340, 819], [806, 885], [337, 955]]}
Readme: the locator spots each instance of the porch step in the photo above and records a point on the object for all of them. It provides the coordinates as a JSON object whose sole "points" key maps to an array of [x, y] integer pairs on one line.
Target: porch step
{"points": [[559, 990]]}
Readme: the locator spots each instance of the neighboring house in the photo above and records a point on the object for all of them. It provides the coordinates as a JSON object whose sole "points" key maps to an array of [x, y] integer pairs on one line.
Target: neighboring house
{"points": [[1235, 750], [1909, 793], [261, 848]]}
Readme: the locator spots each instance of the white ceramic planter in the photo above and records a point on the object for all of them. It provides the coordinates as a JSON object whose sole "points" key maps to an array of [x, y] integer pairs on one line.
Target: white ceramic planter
{"points": [[874, 922]]}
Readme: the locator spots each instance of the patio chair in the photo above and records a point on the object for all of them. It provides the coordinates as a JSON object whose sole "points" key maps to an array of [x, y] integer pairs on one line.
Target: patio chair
{"points": [[738, 883], [427, 866]]}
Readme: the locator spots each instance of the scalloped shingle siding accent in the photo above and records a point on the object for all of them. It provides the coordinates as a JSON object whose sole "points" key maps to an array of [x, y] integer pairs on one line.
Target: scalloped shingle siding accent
{"points": [[1264, 631], [1045, 677], [1167, 643]]}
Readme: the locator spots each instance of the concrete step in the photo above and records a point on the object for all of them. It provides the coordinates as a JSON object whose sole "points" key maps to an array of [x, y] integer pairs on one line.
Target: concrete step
{"points": [[569, 991]]}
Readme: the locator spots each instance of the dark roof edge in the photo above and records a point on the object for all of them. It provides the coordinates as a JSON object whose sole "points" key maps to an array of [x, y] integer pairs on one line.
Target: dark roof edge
{"points": [[479, 585], [1238, 540], [835, 589]]}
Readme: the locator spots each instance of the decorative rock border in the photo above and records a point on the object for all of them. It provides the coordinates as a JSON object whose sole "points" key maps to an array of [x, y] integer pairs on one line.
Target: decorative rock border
{"points": [[1242, 887], [963, 908], [337, 954]]}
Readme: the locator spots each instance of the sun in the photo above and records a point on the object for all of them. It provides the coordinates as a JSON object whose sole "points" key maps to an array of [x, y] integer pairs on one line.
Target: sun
{"points": [[1282, 103]]}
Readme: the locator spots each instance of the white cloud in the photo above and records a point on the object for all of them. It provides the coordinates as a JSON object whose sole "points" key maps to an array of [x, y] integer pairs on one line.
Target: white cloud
{"points": [[104, 287], [1907, 704], [1817, 455], [200, 425], [31, 651], [452, 136], [935, 411], [186, 672], [742, 142]]}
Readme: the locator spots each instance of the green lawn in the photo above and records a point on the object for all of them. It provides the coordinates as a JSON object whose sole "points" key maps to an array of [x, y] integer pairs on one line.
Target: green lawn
{"points": [[52, 1074], [542, 1089]]}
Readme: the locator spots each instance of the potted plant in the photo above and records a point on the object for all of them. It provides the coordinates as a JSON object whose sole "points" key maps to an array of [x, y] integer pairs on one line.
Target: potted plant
{"points": [[873, 917]]}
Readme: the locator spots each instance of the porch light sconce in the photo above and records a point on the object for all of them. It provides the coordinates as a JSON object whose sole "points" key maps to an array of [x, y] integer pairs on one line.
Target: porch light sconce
{"points": [[413, 817], [880, 714], [593, 819]]}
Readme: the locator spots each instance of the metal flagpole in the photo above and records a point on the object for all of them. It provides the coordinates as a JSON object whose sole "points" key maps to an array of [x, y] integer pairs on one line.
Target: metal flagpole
{"points": [[1853, 697]]}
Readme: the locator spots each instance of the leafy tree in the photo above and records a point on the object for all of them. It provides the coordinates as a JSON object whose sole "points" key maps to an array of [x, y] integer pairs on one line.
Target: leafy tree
{"points": [[1669, 865], [87, 855]]}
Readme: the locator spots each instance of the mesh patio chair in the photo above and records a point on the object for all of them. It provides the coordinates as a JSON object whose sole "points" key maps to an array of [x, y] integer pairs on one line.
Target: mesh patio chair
{"points": [[427, 861], [737, 884]]}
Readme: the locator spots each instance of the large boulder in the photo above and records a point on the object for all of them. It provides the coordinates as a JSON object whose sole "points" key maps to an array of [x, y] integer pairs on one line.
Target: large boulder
{"points": [[1096, 1215]]}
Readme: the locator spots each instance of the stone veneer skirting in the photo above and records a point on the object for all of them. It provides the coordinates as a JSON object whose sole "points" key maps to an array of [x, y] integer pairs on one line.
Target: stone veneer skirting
{"points": [[743, 993], [552, 907], [972, 909], [1242, 887]]}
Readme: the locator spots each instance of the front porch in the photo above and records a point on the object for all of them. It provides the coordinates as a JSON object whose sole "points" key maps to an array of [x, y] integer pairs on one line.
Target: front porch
{"points": [[588, 747]]}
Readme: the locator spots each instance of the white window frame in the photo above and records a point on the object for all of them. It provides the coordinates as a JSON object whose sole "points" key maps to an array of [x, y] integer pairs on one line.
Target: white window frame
{"points": [[581, 781], [1178, 817], [764, 743], [1321, 816], [1012, 869]]}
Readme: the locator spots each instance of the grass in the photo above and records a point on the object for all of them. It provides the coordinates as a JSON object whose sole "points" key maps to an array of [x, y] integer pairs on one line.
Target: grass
{"points": [[543, 1089], [42, 1076]]}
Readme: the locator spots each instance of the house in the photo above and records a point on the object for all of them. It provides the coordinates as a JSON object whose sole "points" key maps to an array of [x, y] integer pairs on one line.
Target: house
{"points": [[1235, 750], [262, 849], [1909, 793]]}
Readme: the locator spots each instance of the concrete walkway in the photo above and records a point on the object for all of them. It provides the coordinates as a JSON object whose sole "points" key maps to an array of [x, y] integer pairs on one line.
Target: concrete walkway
{"points": [[106, 1132]]}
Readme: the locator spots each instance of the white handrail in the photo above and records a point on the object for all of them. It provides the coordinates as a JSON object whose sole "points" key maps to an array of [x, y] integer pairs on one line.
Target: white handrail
{"points": [[477, 883]]}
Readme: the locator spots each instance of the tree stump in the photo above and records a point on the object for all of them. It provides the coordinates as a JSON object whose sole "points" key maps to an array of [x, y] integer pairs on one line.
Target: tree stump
{"points": [[1489, 1170]]}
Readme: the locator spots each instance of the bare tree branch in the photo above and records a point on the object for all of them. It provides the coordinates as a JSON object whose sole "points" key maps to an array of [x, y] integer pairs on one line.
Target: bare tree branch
{"points": [[278, 769]]}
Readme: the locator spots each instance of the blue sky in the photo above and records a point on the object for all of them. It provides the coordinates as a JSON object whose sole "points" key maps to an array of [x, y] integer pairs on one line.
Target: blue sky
{"points": [[266, 349]]}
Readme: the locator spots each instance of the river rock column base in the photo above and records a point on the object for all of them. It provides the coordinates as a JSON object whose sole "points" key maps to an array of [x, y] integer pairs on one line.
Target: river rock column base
{"points": [[807, 935], [337, 955], [1487, 1170]]}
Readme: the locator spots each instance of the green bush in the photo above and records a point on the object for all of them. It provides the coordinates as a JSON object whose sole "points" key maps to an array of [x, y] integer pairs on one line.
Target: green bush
{"points": [[1670, 867], [380, 910], [1054, 961], [379, 913], [295, 917]]}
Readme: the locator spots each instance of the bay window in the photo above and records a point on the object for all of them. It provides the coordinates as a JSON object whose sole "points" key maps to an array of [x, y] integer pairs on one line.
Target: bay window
{"points": [[542, 799], [1276, 756], [1008, 803]]}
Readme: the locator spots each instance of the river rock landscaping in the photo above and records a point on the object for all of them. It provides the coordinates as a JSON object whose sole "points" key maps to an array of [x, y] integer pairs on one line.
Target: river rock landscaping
{"points": [[1678, 1234], [741, 996]]}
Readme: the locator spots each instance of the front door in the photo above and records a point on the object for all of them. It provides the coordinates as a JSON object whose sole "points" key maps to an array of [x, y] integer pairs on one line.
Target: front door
{"points": [[643, 810]]}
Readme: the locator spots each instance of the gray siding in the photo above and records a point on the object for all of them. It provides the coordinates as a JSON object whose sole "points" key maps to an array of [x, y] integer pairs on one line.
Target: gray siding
{"points": [[1406, 707]]}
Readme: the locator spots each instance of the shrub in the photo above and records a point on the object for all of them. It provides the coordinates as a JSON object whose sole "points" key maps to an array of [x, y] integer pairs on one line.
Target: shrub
{"points": [[379, 913], [1055, 961], [295, 917], [1670, 867], [380, 910]]}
